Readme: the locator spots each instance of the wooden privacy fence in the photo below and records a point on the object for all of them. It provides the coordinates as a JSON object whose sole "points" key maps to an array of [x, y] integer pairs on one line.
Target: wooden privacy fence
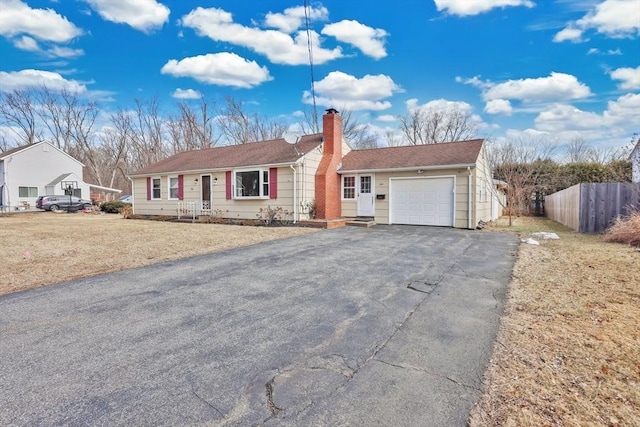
{"points": [[592, 208]]}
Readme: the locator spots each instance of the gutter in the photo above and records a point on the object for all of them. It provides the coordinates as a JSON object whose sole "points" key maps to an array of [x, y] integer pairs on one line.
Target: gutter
{"points": [[407, 169]]}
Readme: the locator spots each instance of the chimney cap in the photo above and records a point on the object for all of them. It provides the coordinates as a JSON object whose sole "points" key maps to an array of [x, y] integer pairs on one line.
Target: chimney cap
{"points": [[332, 111]]}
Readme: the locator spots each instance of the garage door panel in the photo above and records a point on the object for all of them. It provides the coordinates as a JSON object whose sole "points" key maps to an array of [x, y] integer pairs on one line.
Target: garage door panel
{"points": [[422, 201]]}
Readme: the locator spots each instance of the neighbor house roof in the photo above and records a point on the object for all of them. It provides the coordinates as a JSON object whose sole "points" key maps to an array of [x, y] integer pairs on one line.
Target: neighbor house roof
{"points": [[413, 156], [21, 148], [273, 152]]}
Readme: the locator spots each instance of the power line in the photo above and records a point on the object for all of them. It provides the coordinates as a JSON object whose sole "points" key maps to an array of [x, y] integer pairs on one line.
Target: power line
{"points": [[314, 113]]}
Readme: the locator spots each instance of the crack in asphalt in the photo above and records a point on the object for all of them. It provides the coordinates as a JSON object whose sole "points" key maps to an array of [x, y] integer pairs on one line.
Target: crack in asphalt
{"points": [[206, 402], [275, 410], [414, 368]]}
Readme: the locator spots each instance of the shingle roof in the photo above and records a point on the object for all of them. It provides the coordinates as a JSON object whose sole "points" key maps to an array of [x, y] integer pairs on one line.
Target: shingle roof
{"points": [[13, 150], [276, 151], [431, 155]]}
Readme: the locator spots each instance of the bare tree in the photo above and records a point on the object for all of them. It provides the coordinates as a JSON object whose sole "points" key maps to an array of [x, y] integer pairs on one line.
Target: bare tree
{"points": [[393, 139], [578, 151], [17, 111], [146, 134], [238, 126], [514, 162], [432, 126], [192, 128]]}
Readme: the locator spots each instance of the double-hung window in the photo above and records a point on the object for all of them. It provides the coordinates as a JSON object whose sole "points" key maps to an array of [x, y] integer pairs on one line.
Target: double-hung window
{"points": [[155, 189], [348, 187], [27, 191], [173, 188], [252, 183]]}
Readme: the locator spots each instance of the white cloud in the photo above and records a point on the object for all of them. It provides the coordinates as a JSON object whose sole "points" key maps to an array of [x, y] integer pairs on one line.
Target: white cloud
{"points": [[439, 105], [143, 15], [64, 52], [571, 34], [561, 117], [475, 82], [341, 90], [624, 109], [499, 106], [555, 87], [387, 118], [44, 24], [223, 69], [369, 40], [29, 44], [26, 43], [629, 77], [475, 7], [613, 18], [293, 17], [278, 47], [620, 116], [25, 79], [186, 94]]}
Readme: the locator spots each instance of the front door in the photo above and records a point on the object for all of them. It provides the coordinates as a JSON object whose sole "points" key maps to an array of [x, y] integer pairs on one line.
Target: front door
{"points": [[205, 186], [365, 195]]}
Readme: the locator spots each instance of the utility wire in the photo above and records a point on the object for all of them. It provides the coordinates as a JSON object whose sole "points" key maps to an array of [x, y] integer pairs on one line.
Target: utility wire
{"points": [[314, 113]]}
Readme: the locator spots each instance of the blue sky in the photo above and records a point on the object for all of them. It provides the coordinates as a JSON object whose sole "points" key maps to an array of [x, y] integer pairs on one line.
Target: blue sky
{"points": [[558, 68]]}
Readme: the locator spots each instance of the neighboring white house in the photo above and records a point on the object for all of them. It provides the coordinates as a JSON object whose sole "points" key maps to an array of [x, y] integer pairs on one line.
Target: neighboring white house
{"points": [[30, 171], [634, 158]]}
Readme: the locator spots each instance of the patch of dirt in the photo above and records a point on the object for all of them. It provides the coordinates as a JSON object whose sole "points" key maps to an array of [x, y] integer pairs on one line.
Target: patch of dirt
{"points": [[568, 349], [44, 248]]}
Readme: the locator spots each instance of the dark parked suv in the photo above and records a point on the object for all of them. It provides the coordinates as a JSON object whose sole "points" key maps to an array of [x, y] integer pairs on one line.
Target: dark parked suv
{"points": [[54, 203]]}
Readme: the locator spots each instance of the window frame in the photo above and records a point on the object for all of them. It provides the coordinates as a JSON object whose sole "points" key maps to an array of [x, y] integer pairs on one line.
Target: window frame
{"points": [[262, 185], [170, 188], [153, 188], [350, 187], [28, 191]]}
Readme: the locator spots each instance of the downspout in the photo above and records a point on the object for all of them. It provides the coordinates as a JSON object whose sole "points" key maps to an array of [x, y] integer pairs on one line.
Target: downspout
{"points": [[133, 197], [470, 194], [295, 199]]}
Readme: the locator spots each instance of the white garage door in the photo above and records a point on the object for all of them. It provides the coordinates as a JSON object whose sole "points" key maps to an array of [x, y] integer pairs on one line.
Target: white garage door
{"points": [[422, 201]]}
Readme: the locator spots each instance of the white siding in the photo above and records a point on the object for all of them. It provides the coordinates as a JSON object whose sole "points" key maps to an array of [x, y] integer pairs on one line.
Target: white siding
{"points": [[382, 188], [235, 208], [37, 166]]}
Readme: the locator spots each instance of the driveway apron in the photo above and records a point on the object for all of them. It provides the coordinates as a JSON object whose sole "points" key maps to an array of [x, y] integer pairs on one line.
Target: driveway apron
{"points": [[391, 325]]}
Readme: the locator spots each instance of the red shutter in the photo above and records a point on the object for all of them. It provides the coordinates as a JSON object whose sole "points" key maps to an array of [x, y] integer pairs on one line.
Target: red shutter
{"points": [[228, 184], [180, 187], [273, 183], [148, 188]]}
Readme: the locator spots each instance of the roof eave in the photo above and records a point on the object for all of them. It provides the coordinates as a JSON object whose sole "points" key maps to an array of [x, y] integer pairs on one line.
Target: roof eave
{"points": [[408, 169], [218, 169]]}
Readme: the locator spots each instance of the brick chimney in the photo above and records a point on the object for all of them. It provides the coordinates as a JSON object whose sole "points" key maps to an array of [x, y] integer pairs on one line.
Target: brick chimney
{"points": [[327, 178]]}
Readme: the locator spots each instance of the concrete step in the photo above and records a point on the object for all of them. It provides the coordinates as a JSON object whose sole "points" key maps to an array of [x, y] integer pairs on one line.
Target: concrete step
{"points": [[361, 223]]}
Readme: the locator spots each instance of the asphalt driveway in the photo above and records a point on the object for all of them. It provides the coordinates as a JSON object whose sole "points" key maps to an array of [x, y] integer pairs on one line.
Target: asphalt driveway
{"points": [[391, 325]]}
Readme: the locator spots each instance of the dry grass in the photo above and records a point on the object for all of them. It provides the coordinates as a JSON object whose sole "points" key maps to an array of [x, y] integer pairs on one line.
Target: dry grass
{"points": [[625, 230], [44, 248], [568, 349]]}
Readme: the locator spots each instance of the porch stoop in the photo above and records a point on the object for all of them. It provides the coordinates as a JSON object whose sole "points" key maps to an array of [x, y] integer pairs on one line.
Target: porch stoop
{"points": [[362, 221]]}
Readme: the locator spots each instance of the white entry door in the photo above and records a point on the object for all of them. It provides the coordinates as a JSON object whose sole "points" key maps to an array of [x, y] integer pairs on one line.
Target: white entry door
{"points": [[365, 195]]}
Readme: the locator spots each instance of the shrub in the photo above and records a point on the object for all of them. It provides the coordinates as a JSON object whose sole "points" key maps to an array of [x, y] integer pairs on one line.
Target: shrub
{"points": [[112, 207], [272, 216], [126, 211], [625, 230]]}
